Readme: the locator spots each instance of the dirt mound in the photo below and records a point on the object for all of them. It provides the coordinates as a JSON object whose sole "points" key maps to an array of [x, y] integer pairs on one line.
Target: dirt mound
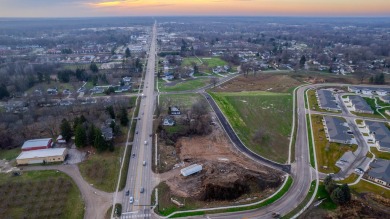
{"points": [[222, 181], [261, 82]]}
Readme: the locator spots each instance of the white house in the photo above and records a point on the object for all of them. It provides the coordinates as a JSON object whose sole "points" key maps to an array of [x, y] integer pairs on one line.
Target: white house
{"points": [[381, 92], [367, 92]]}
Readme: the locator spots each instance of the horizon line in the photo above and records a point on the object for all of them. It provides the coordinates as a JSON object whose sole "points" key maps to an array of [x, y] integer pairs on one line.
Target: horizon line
{"points": [[216, 16]]}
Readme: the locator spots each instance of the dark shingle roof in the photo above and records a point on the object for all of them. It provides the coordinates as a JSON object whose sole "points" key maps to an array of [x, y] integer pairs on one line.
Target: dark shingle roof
{"points": [[326, 99], [336, 129], [382, 133], [360, 103], [380, 169]]}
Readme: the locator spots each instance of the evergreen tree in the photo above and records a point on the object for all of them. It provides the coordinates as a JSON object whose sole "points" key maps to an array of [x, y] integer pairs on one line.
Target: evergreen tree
{"points": [[93, 67], [329, 184], [66, 130], [3, 92], [123, 117], [80, 136], [337, 196], [91, 134], [302, 61], [127, 53], [110, 111], [100, 144], [346, 192]]}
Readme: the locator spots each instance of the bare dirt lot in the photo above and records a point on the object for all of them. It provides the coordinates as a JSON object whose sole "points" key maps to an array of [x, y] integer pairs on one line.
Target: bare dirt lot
{"points": [[227, 176], [261, 82]]}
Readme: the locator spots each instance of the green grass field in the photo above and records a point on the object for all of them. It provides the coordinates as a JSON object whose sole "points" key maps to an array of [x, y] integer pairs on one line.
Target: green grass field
{"points": [[102, 169], [380, 154], [189, 61], [327, 204], [190, 84], [40, 194], [183, 101], [10, 154], [262, 120], [327, 153], [363, 187], [213, 61]]}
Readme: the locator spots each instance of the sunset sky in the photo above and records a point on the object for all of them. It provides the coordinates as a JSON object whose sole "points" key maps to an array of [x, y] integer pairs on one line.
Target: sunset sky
{"points": [[88, 8]]}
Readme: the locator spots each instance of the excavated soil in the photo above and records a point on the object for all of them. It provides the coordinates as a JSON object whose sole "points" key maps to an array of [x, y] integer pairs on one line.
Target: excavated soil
{"points": [[226, 174]]}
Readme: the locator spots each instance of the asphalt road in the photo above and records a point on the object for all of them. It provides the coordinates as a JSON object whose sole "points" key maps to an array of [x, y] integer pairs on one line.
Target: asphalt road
{"points": [[139, 176], [300, 171]]}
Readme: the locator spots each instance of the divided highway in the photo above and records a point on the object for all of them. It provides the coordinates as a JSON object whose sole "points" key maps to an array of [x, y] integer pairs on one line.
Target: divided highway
{"points": [[136, 200]]}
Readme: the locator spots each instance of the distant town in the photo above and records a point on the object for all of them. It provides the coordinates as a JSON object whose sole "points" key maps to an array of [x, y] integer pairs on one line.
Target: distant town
{"points": [[224, 117]]}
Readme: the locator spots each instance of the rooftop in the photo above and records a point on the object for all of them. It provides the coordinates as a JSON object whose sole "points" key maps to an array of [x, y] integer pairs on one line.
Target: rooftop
{"points": [[360, 103], [36, 143], [326, 99], [382, 133], [380, 169], [337, 130], [41, 153]]}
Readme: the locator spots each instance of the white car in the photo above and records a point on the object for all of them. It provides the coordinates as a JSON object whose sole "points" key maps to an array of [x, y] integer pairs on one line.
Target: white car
{"points": [[131, 200], [144, 163], [146, 142]]}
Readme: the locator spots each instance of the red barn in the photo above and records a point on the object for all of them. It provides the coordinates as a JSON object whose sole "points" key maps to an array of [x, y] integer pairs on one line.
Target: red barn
{"points": [[37, 144]]}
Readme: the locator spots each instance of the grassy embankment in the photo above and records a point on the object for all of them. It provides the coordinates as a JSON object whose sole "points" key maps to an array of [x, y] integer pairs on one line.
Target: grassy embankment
{"points": [[262, 120], [166, 207], [182, 85]]}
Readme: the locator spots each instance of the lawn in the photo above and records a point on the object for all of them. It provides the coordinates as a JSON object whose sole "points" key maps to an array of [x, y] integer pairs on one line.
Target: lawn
{"points": [[183, 85], [371, 103], [102, 169], [10, 154], [327, 204], [189, 61], [327, 153], [262, 120], [350, 179], [364, 186], [213, 62], [380, 154], [40, 194], [183, 101], [311, 149]]}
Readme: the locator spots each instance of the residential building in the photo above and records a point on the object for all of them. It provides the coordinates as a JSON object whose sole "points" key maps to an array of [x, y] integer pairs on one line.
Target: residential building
{"points": [[174, 110], [337, 130], [107, 133], [326, 100], [359, 105], [379, 172], [42, 156], [380, 134], [37, 144], [385, 99], [168, 121]]}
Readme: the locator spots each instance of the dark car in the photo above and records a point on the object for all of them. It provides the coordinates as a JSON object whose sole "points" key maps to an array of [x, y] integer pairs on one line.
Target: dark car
{"points": [[127, 193]]}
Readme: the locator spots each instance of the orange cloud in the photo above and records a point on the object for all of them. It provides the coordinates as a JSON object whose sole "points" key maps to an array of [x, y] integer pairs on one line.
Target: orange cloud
{"points": [[244, 7]]}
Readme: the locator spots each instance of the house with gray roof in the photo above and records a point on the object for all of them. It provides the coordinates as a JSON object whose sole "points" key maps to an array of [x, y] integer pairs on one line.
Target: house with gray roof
{"points": [[379, 132], [369, 90], [337, 130], [379, 172], [326, 100], [385, 99], [359, 105]]}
